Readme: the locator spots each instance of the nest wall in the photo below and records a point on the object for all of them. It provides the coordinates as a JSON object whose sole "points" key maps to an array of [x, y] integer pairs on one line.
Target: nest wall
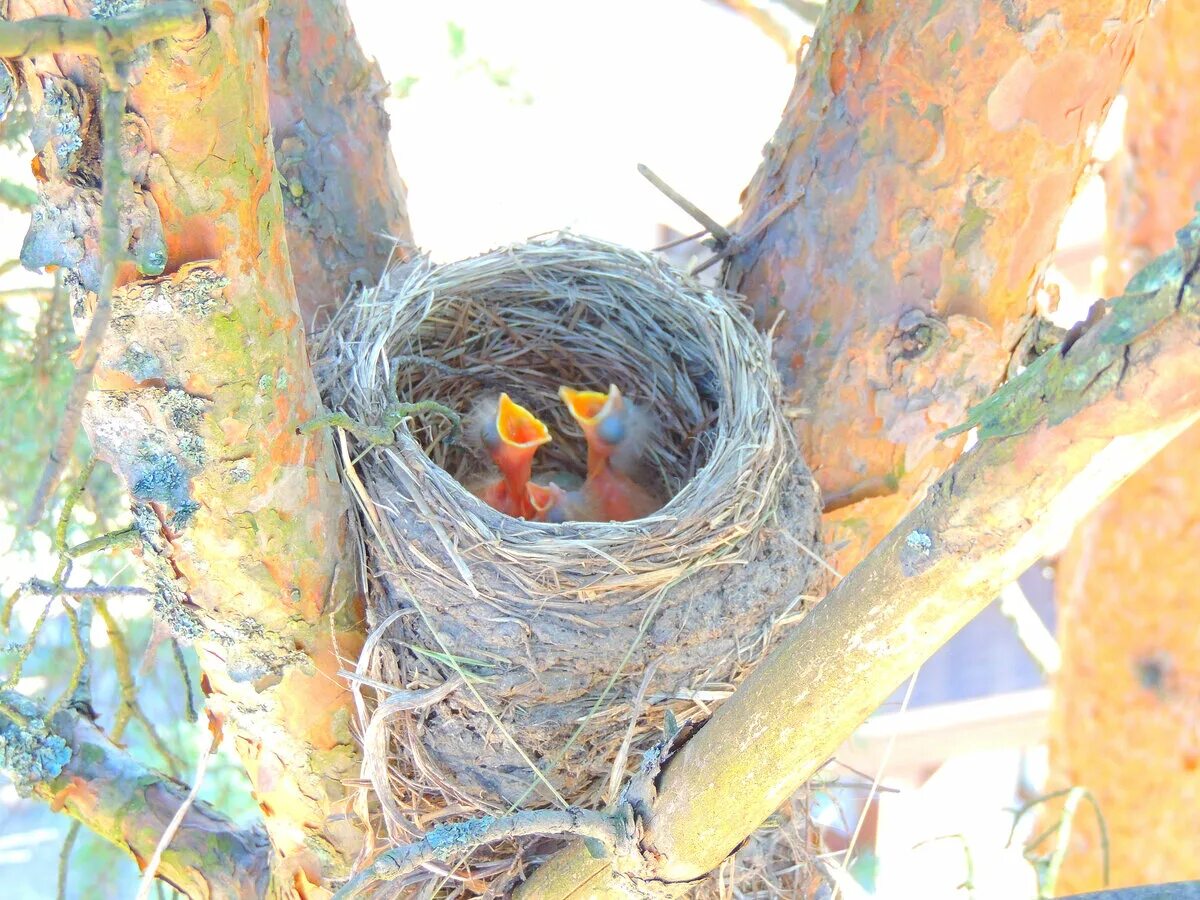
{"points": [[499, 645]]}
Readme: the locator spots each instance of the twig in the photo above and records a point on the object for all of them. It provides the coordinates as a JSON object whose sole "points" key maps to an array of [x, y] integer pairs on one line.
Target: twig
{"points": [[447, 840], [617, 775], [383, 435], [126, 537], [113, 173], [123, 669], [742, 239], [64, 858], [765, 22], [130, 709], [720, 233], [670, 245], [41, 588], [168, 835], [883, 763], [11, 712], [52, 589], [26, 648], [1070, 807], [1031, 631], [122, 33], [81, 632], [77, 673], [189, 704]]}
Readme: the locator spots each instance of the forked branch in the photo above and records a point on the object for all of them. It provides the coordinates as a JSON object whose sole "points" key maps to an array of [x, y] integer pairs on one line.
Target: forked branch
{"points": [[1053, 443]]}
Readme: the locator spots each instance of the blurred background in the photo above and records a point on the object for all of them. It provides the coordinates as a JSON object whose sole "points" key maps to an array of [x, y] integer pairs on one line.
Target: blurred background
{"points": [[510, 120]]}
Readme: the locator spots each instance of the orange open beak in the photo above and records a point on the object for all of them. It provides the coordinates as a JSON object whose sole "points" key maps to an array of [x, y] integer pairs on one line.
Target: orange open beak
{"points": [[521, 433], [597, 414], [518, 427], [589, 408]]}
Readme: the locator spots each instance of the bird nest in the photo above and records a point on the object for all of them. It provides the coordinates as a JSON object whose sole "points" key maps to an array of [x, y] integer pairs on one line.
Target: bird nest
{"points": [[513, 662]]}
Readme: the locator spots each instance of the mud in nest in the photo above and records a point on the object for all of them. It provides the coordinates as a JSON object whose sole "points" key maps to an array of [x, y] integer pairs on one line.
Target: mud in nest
{"points": [[523, 663]]}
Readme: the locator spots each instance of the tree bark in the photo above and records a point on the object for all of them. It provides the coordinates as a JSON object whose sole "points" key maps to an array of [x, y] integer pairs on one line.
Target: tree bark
{"points": [[130, 805], [344, 202], [1053, 443], [201, 386], [1125, 722], [920, 172]]}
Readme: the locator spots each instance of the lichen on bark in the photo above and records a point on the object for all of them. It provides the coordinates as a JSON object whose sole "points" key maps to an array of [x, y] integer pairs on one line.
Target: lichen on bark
{"points": [[200, 388]]}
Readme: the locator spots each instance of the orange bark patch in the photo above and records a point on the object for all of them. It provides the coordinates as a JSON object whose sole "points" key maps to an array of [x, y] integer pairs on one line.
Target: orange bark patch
{"points": [[932, 149], [1127, 725], [325, 691]]}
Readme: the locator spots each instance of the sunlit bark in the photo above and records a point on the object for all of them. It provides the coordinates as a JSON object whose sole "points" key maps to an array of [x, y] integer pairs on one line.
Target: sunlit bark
{"points": [[918, 177], [1126, 722]]}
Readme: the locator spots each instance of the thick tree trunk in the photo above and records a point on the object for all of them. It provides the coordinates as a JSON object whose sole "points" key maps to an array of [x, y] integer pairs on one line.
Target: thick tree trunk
{"points": [[201, 386], [1125, 724], [924, 161], [343, 197]]}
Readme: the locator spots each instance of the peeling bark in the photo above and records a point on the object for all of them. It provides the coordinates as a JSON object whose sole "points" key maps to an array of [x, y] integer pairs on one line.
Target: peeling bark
{"points": [[200, 390], [925, 159], [344, 202], [1125, 723]]}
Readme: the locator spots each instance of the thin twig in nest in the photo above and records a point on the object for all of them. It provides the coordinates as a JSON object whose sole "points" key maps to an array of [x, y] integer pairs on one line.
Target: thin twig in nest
{"points": [[720, 233], [447, 840]]}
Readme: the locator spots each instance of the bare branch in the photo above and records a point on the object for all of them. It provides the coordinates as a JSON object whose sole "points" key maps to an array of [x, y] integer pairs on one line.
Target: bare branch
{"points": [[40, 588], [121, 33], [719, 232], [385, 434], [1031, 631], [70, 763], [1053, 443], [64, 858], [447, 840]]}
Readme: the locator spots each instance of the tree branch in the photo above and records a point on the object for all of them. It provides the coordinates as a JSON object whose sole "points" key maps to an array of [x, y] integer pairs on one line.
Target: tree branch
{"points": [[1052, 444], [121, 33], [901, 279], [447, 840], [70, 764], [241, 520], [344, 201], [1179, 890]]}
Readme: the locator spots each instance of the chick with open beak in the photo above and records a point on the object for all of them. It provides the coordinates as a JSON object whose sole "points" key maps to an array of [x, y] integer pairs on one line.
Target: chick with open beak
{"points": [[614, 430], [511, 435]]}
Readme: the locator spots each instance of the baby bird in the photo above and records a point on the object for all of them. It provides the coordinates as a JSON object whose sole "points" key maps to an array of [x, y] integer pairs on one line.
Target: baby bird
{"points": [[511, 434], [552, 503], [614, 431]]}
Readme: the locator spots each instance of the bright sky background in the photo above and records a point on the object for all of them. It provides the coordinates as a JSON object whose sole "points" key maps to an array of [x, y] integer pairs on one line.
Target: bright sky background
{"points": [[684, 86]]}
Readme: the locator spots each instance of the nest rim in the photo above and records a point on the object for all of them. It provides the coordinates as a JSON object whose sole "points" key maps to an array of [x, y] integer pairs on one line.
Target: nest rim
{"points": [[721, 501]]}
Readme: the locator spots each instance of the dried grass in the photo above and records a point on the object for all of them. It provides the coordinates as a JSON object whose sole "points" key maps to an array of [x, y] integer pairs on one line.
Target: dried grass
{"points": [[507, 660]]}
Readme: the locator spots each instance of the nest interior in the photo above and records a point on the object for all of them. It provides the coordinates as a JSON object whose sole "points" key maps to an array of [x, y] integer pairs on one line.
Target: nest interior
{"points": [[527, 660]]}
